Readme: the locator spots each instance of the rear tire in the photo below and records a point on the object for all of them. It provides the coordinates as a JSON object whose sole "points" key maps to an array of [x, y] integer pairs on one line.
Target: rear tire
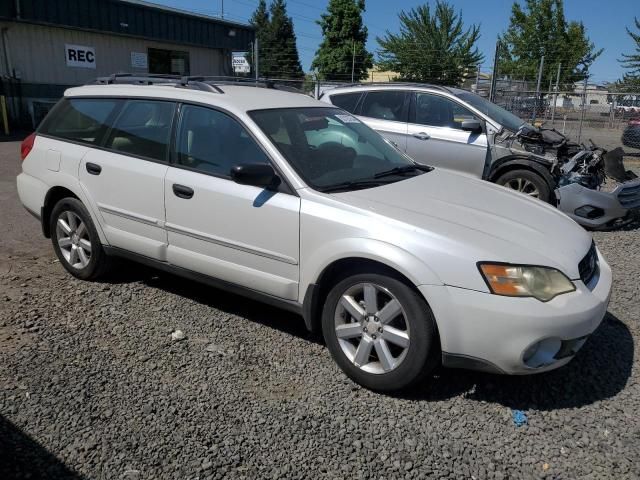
{"points": [[76, 241], [380, 332], [527, 182]]}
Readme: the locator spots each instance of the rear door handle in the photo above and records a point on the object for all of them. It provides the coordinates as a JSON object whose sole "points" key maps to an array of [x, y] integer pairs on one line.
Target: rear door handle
{"points": [[182, 191], [422, 136], [93, 169]]}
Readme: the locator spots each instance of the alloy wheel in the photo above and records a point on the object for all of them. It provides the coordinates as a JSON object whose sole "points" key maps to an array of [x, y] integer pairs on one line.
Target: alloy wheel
{"points": [[523, 185], [73, 239], [372, 328]]}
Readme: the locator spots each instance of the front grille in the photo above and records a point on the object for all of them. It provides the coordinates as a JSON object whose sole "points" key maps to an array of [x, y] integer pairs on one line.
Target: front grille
{"points": [[629, 197], [589, 266]]}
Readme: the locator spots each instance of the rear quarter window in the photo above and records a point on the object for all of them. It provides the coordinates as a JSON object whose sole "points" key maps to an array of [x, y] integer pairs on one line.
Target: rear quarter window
{"points": [[80, 120]]}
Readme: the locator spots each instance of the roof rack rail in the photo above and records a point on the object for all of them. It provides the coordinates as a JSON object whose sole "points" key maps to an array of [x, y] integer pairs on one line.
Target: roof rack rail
{"points": [[391, 84], [158, 79], [197, 82]]}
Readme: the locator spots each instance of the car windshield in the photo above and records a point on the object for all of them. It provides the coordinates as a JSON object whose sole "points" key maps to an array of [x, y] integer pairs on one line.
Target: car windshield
{"points": [[332, 150], [507, 119]]}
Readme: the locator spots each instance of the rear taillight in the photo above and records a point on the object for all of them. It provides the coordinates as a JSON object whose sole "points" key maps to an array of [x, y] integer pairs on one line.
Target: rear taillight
{"points": [[27, 145]]}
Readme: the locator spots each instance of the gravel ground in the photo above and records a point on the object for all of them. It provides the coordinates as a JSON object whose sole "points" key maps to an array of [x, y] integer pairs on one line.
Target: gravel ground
{"points": [[92, 386]]}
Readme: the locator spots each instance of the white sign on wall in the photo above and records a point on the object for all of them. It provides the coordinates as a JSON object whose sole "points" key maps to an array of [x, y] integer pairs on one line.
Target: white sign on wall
{"points": [[239, 62], [139, 60], [80, 56]]}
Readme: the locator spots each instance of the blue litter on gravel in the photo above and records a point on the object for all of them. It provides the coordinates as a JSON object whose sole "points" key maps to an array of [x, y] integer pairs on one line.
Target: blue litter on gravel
{"points": [[519, 417]]}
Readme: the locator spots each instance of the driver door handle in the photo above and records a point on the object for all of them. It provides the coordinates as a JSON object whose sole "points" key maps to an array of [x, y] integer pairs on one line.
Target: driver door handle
{"points": [[182, 192], [422, 136]]}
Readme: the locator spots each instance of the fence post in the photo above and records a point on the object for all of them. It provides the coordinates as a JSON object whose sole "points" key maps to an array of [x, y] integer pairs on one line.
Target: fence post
{"points": [[555, 97], [494, 75], [535, 105], [584, 106]]}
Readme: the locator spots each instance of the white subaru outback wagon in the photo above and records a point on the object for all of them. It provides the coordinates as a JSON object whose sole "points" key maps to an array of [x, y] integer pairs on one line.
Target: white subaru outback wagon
{"points": [[283, 198]]}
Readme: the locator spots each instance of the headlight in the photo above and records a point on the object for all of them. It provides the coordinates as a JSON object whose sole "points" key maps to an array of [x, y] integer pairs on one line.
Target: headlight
{"points": [[543, 283]]}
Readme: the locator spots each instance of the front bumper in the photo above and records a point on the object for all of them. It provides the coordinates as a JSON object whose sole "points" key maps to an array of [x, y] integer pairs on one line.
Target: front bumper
{"points": [[615, 204], [494, 333]]}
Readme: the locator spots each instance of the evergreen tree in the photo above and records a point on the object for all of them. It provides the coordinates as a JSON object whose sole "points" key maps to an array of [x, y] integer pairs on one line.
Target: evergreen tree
{"points": [[631, 62], [433, 48], [260, 21], [343, 43], [281, 45], [538, 29]]}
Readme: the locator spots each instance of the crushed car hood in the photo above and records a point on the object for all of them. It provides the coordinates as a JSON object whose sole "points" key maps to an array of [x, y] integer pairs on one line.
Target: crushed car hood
{"points": [[490, 222]]}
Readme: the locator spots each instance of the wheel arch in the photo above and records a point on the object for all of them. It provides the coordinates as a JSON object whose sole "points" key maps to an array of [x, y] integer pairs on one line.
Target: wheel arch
{"points": [[57, 193], [522, 163], [409, 270]]}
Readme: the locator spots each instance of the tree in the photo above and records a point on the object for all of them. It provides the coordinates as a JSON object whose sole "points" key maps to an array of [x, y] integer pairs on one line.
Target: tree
{"points": [[277, 50], [282, 44], [541, 29], [431, 48], [260, 21], [343, 42], [631, 62]]}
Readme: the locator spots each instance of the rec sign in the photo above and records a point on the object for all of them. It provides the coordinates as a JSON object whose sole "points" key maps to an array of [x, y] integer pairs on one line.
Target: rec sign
{"points": [[80, 56]]}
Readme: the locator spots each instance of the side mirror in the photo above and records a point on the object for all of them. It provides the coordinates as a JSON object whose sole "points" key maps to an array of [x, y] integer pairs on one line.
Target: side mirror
{"points": [[255, 174], [472, 126]]}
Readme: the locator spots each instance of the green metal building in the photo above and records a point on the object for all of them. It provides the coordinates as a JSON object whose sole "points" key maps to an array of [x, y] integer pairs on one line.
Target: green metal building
{"points": [[47, 46]]}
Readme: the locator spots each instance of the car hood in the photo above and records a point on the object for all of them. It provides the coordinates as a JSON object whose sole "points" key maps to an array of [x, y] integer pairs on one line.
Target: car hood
{"points": [[478, 220]]}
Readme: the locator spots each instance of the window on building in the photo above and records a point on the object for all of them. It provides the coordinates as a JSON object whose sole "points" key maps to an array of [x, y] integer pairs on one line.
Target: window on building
{"points": [[171, 62], [81, 120], [212, 142], [143, 128]]}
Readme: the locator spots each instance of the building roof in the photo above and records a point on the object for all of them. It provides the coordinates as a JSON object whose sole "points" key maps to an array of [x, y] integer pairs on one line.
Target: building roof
{"points": [[135, 18]]}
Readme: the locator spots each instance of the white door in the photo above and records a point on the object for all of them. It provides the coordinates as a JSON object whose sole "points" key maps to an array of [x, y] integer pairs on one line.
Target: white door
{"points": [[242, 234], [435, 135], [125, 179]]}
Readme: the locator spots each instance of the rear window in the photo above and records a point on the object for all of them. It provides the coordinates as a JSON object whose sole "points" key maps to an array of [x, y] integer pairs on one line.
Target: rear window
{"points": [[385, 105], [346, 101], [143, 128], [81, 120]]}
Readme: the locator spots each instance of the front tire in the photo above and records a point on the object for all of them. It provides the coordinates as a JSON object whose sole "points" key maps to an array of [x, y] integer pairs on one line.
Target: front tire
{"points": [[380, 331], [76, 241], [527, 182]]}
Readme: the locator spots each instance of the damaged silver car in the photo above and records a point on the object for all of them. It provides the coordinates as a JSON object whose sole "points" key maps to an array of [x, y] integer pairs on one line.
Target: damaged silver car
{"points": [[459, 130]]}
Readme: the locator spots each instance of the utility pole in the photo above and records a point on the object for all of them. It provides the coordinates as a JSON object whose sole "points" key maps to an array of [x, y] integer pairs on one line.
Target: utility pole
{"points": [[535, 106], [255, 58], [353, 60], [494, 75], [221, 8], [478, 78], [555, 96]]}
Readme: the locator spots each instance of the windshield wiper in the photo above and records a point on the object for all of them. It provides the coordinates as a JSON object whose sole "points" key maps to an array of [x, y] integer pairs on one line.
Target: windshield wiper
{"points": [[403, 170], [351, 185]]}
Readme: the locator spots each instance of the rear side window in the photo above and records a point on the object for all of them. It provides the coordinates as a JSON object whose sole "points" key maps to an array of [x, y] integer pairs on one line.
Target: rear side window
{"points": [[346, 101], [81, 120], [143, 128], [212, 142], [387, 105]]}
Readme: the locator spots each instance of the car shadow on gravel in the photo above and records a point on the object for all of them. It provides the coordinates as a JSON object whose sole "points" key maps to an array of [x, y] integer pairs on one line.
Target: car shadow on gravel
{"points": [[22, 457], [252, 310], [599, 371]]}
